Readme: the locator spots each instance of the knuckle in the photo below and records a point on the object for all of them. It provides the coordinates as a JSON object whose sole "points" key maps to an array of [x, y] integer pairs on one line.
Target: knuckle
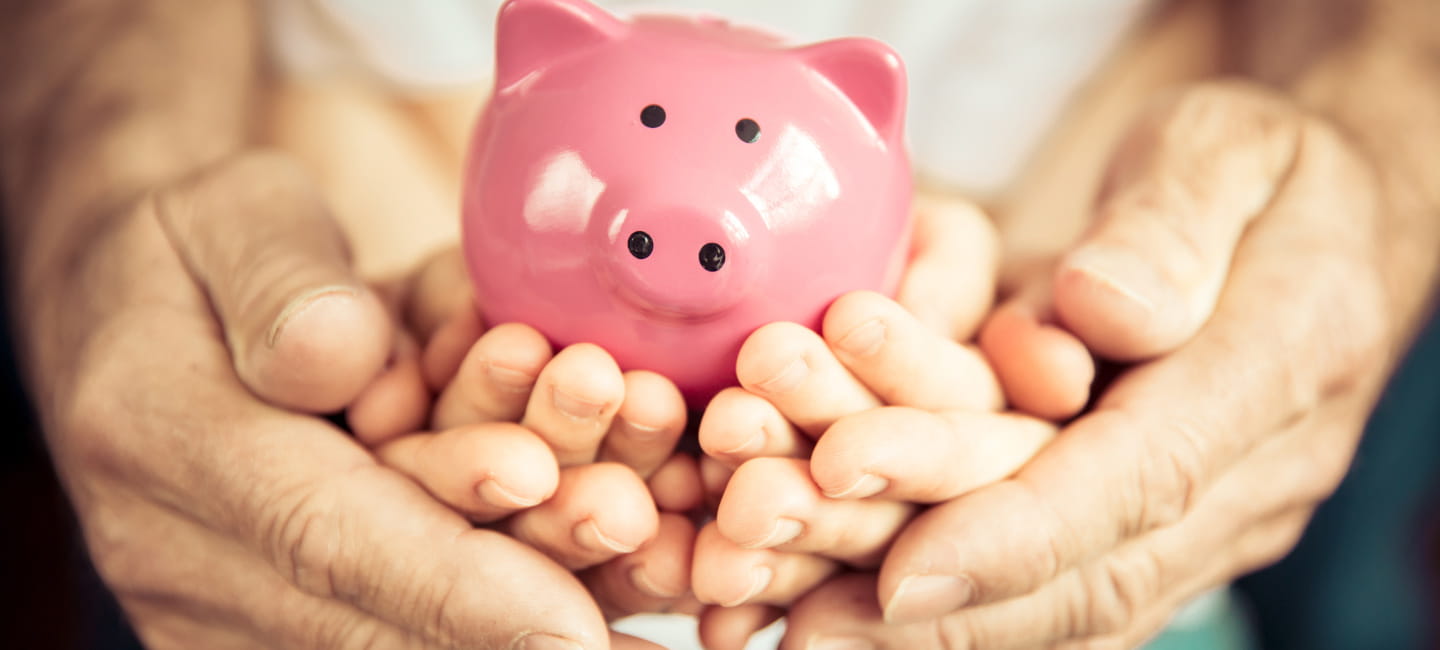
{"points": [[956, 633], [1044, 561], [1169, 477], [299, 532], [1117, 589]]}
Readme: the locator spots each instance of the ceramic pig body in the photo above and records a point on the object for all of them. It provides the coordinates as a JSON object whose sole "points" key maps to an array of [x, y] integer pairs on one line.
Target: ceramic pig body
{"points": [[662, 186]]}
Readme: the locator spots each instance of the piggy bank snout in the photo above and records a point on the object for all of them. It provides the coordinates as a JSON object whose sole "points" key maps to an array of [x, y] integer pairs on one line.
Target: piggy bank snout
{"points": [[681, 262]]}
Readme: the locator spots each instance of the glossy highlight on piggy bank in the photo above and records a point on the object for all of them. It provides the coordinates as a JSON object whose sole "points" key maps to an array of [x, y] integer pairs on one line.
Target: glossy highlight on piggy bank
{"points": [[663, 185]]}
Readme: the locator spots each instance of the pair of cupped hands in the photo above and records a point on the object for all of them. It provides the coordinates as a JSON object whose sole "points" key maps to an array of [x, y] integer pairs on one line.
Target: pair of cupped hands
{"points": [[877, 491]]}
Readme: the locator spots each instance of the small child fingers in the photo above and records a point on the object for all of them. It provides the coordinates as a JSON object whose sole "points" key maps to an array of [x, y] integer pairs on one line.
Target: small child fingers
{"points": [[447, 346], [791, 366], [653, 578], [913, 455], [727, 574], [574, 402], [739, 425], [599, 512], [904, 362], [773, 503], [950, 282], [730, 628], [495, 380], [677, 485], [648, 424], [1046, 370], [396, 402], [486, 471], [714, 476]]}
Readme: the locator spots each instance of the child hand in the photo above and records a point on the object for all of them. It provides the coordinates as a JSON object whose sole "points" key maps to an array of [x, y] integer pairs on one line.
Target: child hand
{"points": [[558, 445], [889, 410]]}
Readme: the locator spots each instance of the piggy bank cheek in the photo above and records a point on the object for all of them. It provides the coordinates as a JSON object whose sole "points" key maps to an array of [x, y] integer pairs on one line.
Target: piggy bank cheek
{"points": [[682, 262]]}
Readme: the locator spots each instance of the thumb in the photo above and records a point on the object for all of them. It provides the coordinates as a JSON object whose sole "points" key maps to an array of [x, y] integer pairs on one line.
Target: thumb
{"points": [[1181, 190], [303, 331]]}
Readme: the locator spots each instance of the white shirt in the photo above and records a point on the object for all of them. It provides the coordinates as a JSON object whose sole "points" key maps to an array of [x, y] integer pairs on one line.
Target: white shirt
{"points": [[987, 77]]}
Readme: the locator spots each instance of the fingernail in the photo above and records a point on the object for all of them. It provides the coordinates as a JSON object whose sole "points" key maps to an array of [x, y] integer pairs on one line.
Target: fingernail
{"points": [[785, 529], [787, 379], [640, 432], [509, 379], [1121, 271], [495, 494], [868, 485], [864, 340], [751, 445], [301, 303], [760, 578], [587, 534], [648, 587], [840, 643], [571, 406], [925, 597], [535, 641]]}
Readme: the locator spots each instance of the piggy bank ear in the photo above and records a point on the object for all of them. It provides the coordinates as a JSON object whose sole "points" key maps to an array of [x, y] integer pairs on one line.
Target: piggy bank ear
{"points": [[532, 34], [869, 73]]}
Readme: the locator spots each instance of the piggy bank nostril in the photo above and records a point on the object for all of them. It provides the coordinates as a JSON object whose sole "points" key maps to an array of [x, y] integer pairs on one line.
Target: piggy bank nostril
{"points": [[712, 257], [640, 244]]}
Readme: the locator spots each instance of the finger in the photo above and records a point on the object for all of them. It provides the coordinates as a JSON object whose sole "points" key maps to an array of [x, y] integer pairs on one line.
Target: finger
{"points": [[652, 578], [241, 603], [396, 403], [620, 641], [1144, 457], [714, 476], [485, 471], [730, 575], [677, 485], [739, 425], [950, 282], [574, 402], [902, 362], [303, 331], [600, 511], [301, 494], [446, 347], [1128, 595], [1181, 190], [730, 628], [791, 366], [438, 293], [772, 503], [648, 424], [1045, 370], [908, 454], [494, 382]]}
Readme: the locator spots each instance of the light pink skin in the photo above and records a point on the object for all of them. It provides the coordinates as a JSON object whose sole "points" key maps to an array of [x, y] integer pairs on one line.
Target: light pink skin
{"points": [[562, 172]]}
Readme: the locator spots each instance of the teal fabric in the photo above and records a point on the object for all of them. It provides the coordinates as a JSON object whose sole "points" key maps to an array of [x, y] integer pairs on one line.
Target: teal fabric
{"points": [[1218, 622]]}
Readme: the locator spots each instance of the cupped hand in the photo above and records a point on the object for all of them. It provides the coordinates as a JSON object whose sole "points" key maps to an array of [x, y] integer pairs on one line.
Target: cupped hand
{"points": [[570, 454], [834, 437], [1244, 242], [221, 521]]}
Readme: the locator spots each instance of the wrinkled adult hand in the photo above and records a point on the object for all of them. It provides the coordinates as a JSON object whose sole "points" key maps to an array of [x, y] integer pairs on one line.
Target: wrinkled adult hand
{"points": [[1244, 242], [219, 520]]}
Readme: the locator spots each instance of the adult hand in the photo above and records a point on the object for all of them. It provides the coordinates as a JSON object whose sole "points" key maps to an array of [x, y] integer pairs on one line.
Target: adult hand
{"points": [[221, 521], [1246, 241]]}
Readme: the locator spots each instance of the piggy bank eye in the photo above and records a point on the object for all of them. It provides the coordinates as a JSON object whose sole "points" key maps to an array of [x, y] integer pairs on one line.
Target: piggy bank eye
{"points": [[641, 245], [747, 130], [652, 116], [712, 257]]}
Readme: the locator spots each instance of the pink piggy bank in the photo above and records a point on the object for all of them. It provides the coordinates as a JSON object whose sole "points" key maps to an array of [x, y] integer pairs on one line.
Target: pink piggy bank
{"points": [[663, 185]]}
